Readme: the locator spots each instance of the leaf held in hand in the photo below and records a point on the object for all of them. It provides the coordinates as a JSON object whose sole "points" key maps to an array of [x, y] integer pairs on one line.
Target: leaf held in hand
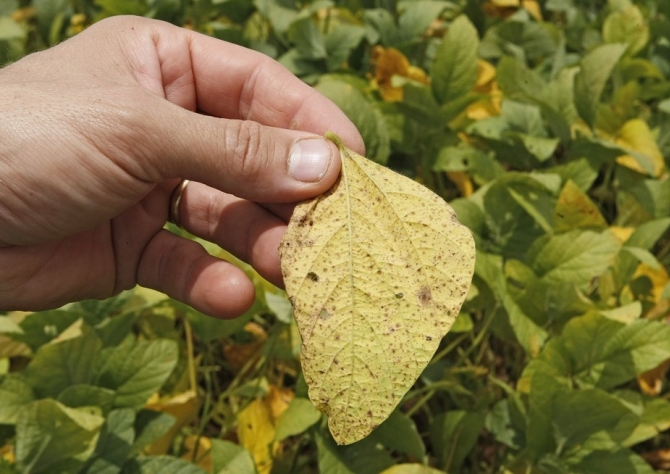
{"points": [[376, 269]]}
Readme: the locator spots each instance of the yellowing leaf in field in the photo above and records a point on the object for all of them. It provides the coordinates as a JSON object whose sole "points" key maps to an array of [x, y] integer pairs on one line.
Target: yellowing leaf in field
{"points": [[203, 456], [486, 84], [505, 8], [411, 469], [184, 407], [622, 233], [278, 400], [256, 432], [376, 269], [575, 210], [651, 381], [636, 136], [462, 182], [390, 63]]}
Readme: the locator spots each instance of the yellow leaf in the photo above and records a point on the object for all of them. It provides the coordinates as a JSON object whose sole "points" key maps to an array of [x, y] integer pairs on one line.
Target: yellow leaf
{"points": [[462, 182], [411, 469], [505, 3], [651, 381], [532, 7], [390, 63], [636, 136], [486, 73], [658, 276], [486, 84], [256, 432], [622, 233], [184, 407], [376, 269], [575, 210], [278, 400], [203, 456], [7, 453]]}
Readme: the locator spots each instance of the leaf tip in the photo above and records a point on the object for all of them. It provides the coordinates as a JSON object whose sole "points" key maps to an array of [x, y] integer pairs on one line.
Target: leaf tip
{"points": [[335, 139]]}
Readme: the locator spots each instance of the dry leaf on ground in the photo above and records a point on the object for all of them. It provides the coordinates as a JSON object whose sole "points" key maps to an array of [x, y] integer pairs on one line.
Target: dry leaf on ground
{"points": [[376, 269]]}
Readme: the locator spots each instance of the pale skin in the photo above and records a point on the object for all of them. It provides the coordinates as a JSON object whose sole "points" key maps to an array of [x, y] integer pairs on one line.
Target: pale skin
{"points": [[97, 132]]}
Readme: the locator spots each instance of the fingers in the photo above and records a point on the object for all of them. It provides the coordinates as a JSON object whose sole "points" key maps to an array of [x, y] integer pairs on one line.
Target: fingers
{"points": [[234, 82], [243, 228], [243, 158], [183, 270]]}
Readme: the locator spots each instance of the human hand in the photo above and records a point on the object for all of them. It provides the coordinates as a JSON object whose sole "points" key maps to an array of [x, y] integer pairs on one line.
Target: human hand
{"points": [[97, 132]]}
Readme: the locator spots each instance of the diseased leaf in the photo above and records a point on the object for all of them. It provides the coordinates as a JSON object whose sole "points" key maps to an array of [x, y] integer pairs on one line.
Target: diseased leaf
{"points": [[575, 209], [376, 269]]}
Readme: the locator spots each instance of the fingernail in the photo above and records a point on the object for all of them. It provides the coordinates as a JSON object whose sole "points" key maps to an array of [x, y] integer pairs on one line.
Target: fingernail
{"points": [[309, 159]]}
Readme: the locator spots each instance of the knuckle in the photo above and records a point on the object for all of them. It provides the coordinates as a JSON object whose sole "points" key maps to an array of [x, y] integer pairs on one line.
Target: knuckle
{"points": [[248, 148]]}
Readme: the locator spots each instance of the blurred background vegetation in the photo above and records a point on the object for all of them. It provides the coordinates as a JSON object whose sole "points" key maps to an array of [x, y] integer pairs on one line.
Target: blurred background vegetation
{"points": [[546, 125]]}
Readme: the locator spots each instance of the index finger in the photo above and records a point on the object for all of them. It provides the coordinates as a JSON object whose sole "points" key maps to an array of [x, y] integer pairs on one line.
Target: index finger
{"points": [[226, 80]]}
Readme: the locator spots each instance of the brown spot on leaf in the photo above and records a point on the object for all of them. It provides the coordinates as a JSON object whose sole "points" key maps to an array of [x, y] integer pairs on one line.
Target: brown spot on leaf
{"points": [[313, 276], [424, 295]]}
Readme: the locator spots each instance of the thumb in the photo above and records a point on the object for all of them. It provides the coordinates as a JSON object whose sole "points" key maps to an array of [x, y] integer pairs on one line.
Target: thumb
{"points": [[244, 158]]}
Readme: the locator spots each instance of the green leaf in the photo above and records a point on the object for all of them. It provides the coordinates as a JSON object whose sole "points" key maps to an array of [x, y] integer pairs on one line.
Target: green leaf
{"points": [[627, 25], [543, 387], [361, 111], [417, 15], [135, 369], [8, 326], [517, 81], [490, 268], [606, 462], [297, 418], [399, 433], [41, 328], [578, 414], [79, 396], [482, 166], [454, 434], [15, 394], [114, 444], [308, 39], [647, 234], [339, 43], [277, 13], [362, 457], [454, 69], [231, 458], [280, 306], [573, 257], [596, 68], [582, 172], [383, 23], [149, 426], [48, 433], [518, 210], [56, 367], [161, 465]]}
